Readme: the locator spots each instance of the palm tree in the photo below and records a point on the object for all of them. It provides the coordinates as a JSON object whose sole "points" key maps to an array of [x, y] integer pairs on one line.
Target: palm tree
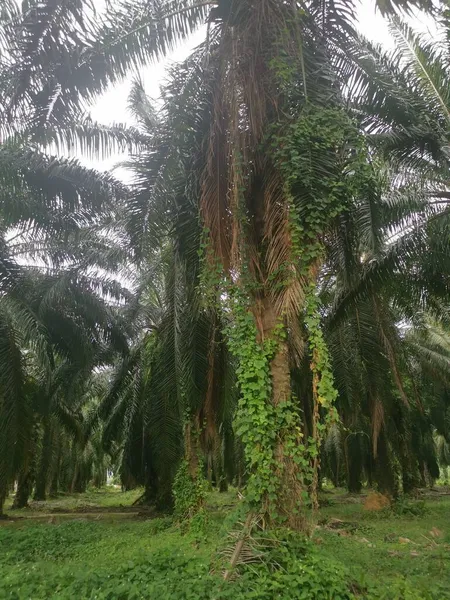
{"points": [[230, 149], [270, 162], [402, 97], [56, 59], [402, 101], [52, 244], [191, 374], [179, 169], [53, 220], [56, 332], [375, 288], [428, 347], [175, 384]]}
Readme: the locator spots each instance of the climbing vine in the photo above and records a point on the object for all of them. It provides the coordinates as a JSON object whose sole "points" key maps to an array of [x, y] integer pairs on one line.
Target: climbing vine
{"points": [[260, 423], [328, 139], [324, 392], [189, 492], [255, 414]]}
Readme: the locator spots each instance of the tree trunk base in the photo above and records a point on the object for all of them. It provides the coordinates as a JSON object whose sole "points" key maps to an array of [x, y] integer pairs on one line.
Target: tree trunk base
{"points": [[23, 493], [19, 506], [223, 486]]}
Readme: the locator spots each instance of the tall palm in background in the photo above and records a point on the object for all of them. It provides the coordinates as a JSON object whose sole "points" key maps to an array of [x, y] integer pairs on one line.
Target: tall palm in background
{"points": [[54, 334], [53, 253], [402, 100], [54, 320], [178, 382], [56, 214], [376, 297]]}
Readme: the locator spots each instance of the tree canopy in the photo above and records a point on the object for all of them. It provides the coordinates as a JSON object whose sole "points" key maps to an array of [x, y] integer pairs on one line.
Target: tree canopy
{"points": [[266, 304]]}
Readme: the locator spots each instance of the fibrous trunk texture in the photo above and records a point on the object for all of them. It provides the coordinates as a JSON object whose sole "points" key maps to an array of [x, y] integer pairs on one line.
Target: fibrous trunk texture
{"points": [[354, 464], [191, 440], [286, 470], [384, 472]]}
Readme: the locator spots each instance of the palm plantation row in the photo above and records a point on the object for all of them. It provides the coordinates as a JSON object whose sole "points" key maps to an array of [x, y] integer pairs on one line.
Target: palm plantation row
{"points": [[267, 304]]}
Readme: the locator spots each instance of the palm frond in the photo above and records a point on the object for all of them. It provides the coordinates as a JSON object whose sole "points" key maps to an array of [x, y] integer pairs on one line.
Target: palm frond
{"points": [[425, 64], [93, 140], [91, 53]]}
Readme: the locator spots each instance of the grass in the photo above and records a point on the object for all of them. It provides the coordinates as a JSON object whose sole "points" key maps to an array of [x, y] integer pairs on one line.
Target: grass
{"points": [[385, 546], [95, 500], [97, 550]]}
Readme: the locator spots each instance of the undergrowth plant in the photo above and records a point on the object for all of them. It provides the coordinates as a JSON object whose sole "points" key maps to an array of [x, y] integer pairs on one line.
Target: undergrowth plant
{"points": [[189, 492]]}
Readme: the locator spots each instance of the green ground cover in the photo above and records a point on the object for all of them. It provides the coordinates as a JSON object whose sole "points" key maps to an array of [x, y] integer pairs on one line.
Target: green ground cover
{"points": [[98, 546]]}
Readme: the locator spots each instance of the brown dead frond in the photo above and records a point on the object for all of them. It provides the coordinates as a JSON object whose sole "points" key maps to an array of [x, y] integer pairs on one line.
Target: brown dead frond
{"points": [[377, 423], [243, 548], [391, 354], [243, 96]]}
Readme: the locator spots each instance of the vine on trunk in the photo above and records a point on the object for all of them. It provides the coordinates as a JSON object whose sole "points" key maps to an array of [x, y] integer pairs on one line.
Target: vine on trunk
{"points": [[261, 424], [319, 136], [189, 492], [314, 199], [255, 415]]}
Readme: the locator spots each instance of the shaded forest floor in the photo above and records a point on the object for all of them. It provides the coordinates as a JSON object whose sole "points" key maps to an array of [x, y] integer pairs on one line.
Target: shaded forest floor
{"points": [[98, 545]]}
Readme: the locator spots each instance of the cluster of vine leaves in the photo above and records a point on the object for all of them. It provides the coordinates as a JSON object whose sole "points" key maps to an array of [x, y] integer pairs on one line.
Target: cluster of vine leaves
{"points": [[189, 494], [316, 199], [256, 416]]}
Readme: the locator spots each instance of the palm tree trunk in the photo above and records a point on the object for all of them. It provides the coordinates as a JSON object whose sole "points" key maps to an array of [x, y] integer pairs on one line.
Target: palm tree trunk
{"points": [[24, 488], [56, 469], [354, 464], [164, 495], [79, 481], [209, 467], [384, 472], [192, 466], [191, 440], [54, 486], [286, 470], [40, 492], [219, 469], [410, 474], [2, 503], [223, 483], [73, 483], [149, 491]]}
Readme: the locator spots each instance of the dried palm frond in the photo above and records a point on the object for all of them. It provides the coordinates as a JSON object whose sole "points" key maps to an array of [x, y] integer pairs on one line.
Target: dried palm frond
{"points": [[244, 548], [377, 423]]}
